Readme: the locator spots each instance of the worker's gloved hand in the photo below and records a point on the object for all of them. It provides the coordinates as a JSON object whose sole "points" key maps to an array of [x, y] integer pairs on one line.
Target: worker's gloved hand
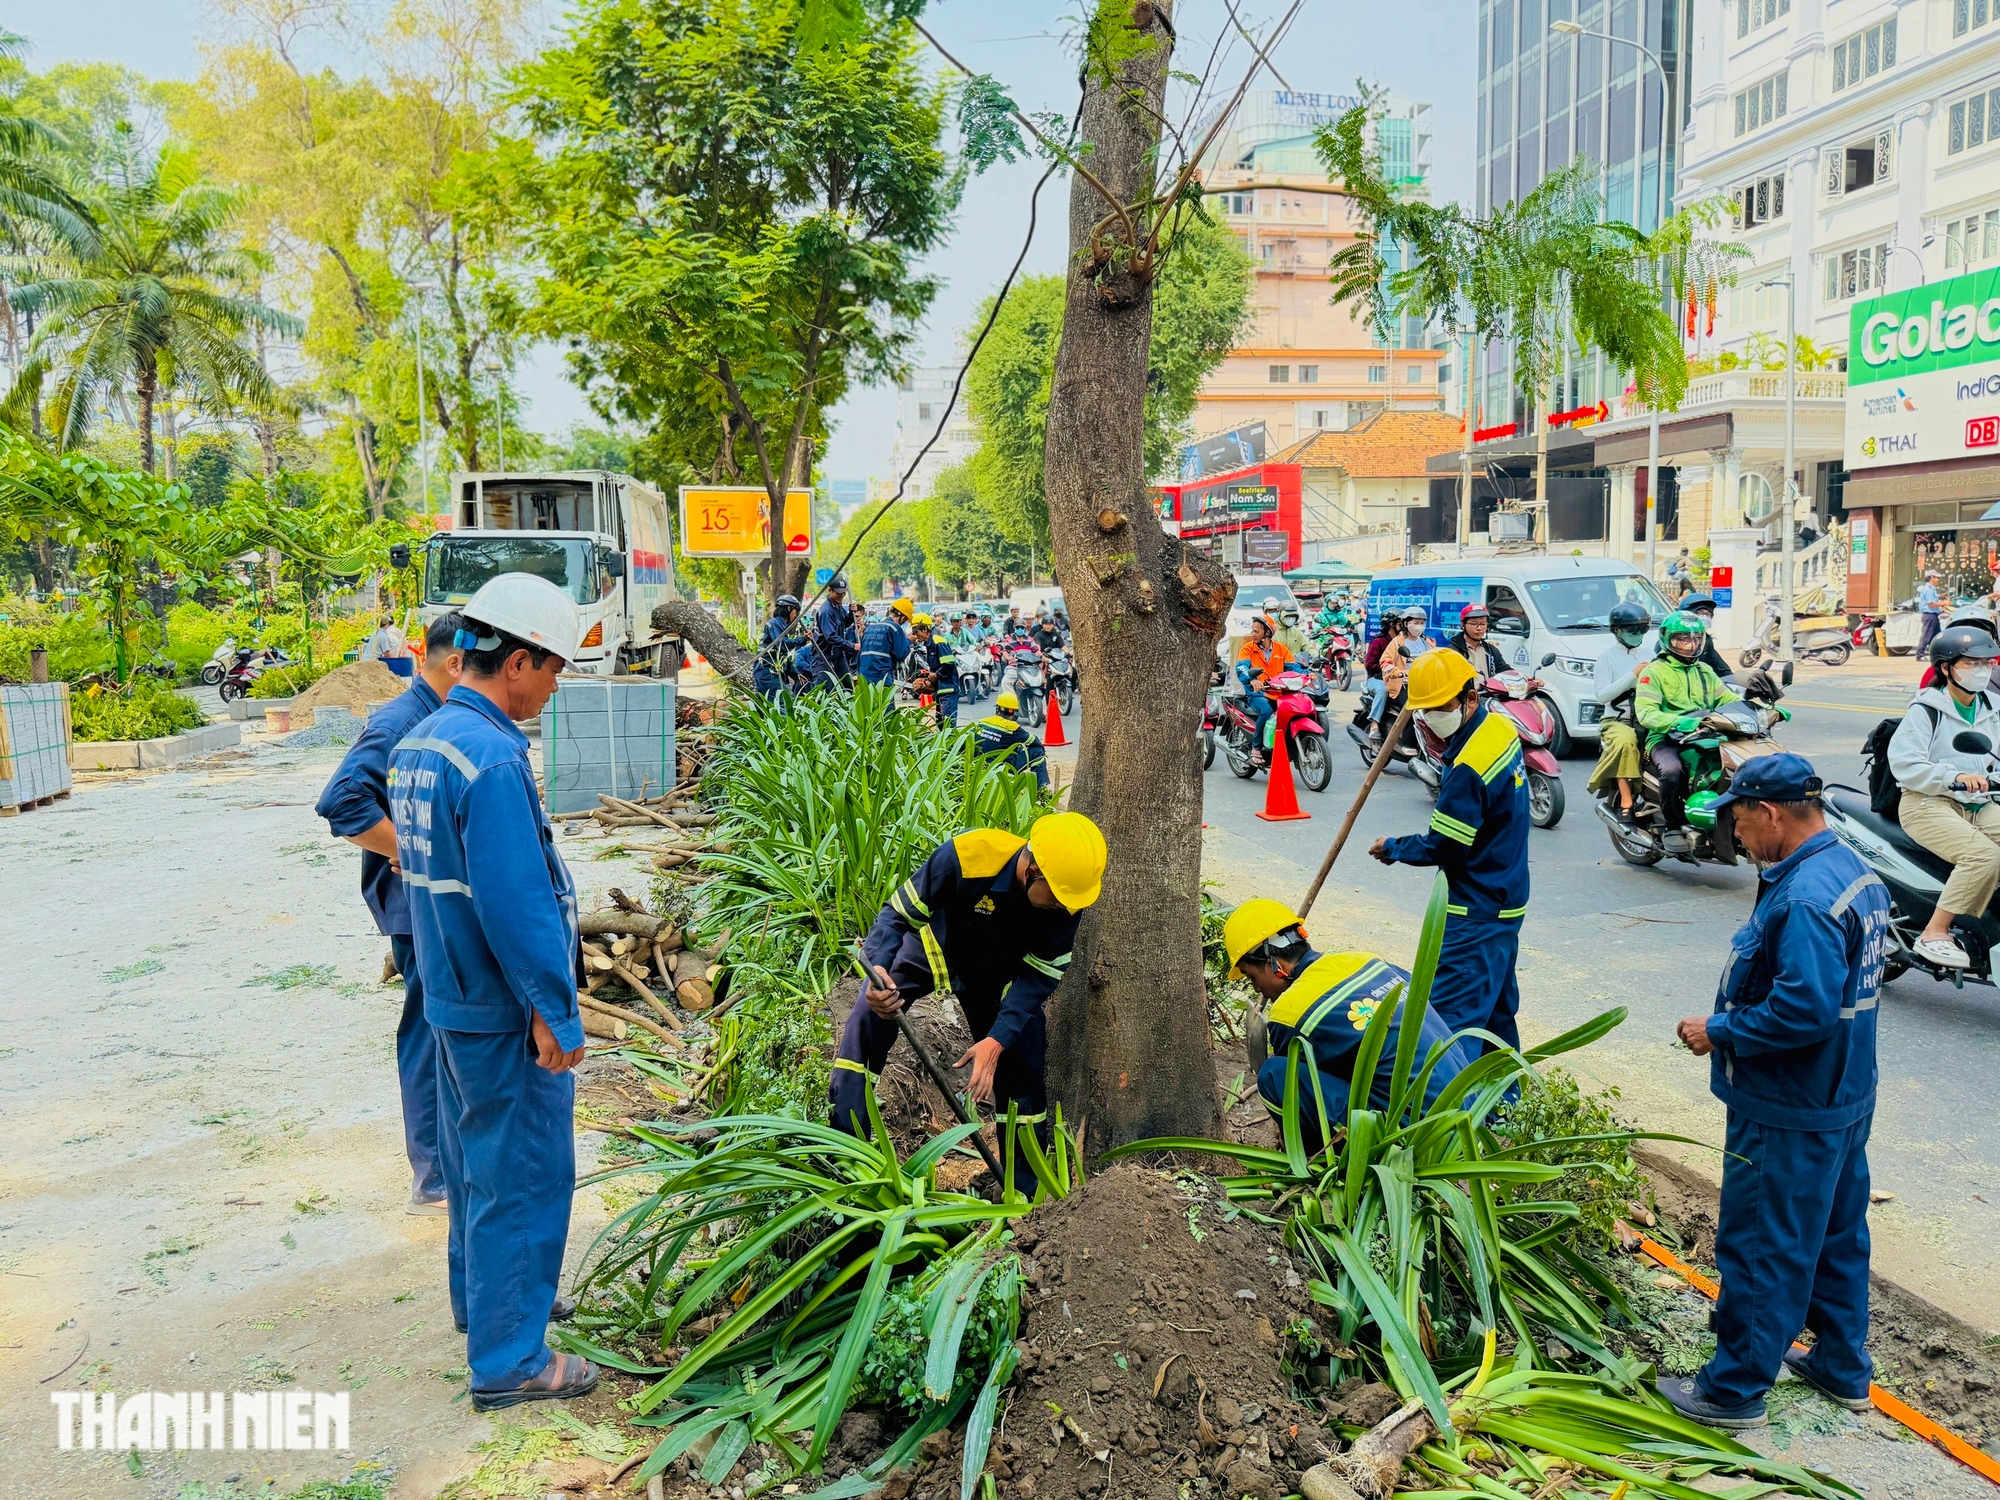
{"points": [[1687, 724]]}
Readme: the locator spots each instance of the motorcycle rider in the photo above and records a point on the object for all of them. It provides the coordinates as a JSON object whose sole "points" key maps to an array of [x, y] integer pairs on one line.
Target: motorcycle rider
{"points": [[1001, 736], [884, 643], [774, 657], [1047, 635], [1328, 999], [1479, 837], [1673, 692], [1372, 688], [1617, 674], [1262, 658], [1702, 607], [1976, 615], [1471, 642], [1947, 803]]}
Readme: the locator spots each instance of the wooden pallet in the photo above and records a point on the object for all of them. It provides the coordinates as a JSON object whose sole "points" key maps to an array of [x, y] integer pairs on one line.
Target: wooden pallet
{"points": [[21, 807]]}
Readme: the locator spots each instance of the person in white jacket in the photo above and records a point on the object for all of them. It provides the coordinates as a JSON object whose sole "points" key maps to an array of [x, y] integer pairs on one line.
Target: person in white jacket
{"points": [[1617, 671], [1947, 794]]}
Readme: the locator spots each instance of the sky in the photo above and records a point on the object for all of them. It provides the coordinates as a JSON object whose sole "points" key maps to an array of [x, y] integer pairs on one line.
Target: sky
{"points": [[1424, 49]]}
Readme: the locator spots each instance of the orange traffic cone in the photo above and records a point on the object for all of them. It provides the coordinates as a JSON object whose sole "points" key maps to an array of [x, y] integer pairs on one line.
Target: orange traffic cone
{"points": [[1052, 732], [1281, 798]]}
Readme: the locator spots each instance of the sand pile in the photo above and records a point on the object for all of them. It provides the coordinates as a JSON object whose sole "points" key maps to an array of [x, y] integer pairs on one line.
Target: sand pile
{"points": [[354, 686]]}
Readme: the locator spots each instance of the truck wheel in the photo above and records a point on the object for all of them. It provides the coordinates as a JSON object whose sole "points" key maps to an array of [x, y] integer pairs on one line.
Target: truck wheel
{"points": [[667, 660]]}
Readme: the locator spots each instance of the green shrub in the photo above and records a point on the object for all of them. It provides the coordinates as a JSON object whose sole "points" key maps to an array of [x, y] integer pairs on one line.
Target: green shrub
{"points": [[76, 640], [294, 678], [1602, 1176], [144, 710]]}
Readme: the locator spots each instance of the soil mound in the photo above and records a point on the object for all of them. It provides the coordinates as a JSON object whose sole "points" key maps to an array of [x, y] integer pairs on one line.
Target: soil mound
{"points": [[1153, 1348], [355, 686]]}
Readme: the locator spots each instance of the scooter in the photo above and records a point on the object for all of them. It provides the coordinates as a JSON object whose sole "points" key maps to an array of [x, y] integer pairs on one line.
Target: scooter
{"points": [[1305, 732], [216, 665], [1513, 694], [1336, 650], [1727, 737], [247, 668], [1406, 754], [1915, 878], [1820, 639], [1213, 716], [1027, 675], [1062, 678]]}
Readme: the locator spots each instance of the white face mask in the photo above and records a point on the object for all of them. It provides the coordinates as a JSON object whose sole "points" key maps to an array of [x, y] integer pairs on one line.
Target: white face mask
{"points": [[1973, 676], [1444, 722]]}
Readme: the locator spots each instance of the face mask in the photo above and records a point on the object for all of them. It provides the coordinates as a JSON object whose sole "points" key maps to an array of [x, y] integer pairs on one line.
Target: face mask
{"points": [[1630, 639], [1973, 677], [1444, 722]]}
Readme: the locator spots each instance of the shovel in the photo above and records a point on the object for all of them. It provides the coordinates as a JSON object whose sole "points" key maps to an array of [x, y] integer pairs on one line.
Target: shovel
{"points": [[943, 1080]]}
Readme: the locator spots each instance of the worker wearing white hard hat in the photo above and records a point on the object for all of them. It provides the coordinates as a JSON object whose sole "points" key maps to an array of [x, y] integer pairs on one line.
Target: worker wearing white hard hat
{"points": [[493, 915]]}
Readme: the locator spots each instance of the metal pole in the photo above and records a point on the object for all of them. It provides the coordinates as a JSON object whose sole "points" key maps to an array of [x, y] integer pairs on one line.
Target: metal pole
{"points": [[1465, 455], [1542, 410], [1791, 445]]}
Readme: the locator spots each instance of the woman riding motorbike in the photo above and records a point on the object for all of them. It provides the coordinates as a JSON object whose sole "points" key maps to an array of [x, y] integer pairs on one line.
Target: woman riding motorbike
{"points": [[1947, 802], [1673, 692], [1372, 691], [1617, 674]]}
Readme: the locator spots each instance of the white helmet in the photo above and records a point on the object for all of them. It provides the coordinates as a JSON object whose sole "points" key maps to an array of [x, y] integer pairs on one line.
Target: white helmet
{"points": [[528, 608]]}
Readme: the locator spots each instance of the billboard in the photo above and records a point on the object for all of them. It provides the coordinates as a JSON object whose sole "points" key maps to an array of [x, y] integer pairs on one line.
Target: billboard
{"points": [[734, 521], [1923, 374], [1225, 452]]}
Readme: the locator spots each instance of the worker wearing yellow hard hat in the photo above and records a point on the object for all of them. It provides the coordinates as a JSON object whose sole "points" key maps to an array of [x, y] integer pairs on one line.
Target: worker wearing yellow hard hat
{"points": [[1325, 1001], [992, 917], [902, 607], [1478, 836], [885, 644], [1002, 736]]}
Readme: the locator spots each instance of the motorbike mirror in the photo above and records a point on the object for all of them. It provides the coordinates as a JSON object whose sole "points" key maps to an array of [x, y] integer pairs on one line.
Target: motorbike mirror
{"points": [[1549, 660], [1785, 675], [1969, 742]]}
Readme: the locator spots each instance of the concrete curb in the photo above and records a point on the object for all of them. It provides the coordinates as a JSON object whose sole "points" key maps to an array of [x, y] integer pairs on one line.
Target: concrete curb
{"points": [[146, 755]]}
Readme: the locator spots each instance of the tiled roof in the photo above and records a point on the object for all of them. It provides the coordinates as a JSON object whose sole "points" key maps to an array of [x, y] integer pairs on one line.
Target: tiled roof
{"points": [[1389, 445]]}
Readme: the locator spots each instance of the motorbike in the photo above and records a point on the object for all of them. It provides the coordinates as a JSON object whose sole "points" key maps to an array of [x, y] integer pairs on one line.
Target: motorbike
{"points": [[216, 665], [1305, 730], [247, 667], [1336, 649], [1406, 754], [1513, 694], [1814, 640], [1865, 628], [1062, 678], [1214, 715], [1027, 675], [1726, 738], [1915, 878]]}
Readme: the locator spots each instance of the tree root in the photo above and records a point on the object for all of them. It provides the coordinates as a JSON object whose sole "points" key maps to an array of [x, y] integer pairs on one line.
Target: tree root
{"points": [[1375, 1462]]}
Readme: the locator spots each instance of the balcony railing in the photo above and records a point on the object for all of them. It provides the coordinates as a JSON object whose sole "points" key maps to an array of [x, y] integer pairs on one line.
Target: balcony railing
{"points": [[1746, 385]]}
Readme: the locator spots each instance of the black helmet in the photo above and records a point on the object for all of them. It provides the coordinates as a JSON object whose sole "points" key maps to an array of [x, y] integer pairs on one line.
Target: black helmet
{"points": [[1963, 643], [788, 601], [1697, 601], [1631, 615]]}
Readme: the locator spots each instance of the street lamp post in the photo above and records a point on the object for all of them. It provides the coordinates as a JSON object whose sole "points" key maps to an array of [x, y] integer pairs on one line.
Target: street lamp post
{"points": [[1922, 274], [1571, 28]]}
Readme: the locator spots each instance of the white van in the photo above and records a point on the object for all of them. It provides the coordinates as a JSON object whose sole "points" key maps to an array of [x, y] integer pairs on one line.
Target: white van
{"points": [[1032, 601], [1539, 606]]}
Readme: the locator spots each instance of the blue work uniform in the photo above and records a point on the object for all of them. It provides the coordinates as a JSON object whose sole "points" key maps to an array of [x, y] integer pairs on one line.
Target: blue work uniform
{"points": [[1330, 1002], [1794, 1062], [964, 911], [940, 659], [354, 801], [834, 625], [1006, 740], [885, 645], [773, 667], [1479, 838], [493, 912]]}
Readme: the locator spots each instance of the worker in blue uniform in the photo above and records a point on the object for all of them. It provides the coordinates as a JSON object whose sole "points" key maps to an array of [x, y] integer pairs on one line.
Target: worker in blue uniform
{"points": [[990, 916], [1792, 1048], [934, 663], [834, 638], [772, 671], [1001, 735], [493, 915], [1329, 999], [885, 644], [1478, 836], [355, 804]]}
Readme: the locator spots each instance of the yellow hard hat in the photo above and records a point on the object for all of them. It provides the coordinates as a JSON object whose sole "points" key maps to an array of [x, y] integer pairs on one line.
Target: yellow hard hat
{"points": [[1437, 677], [903, 607], [1069, 849], [1007, 703], [923, 620], [1251, 924]]}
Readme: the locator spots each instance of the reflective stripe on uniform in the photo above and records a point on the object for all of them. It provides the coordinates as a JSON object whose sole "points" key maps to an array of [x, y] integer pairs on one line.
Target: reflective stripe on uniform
{"points": [[449, 751], [1849, 1012], [1458, 911], [848, 1065], [1512, 911], [1861, 883], [441, 887], [1451, 828], [1331, 1002]]}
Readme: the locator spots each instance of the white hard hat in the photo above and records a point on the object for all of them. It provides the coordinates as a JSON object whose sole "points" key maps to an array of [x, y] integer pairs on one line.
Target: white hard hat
{"points": [[528, 608]]}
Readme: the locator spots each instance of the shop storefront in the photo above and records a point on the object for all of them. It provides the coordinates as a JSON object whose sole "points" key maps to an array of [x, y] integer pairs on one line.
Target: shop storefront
{"points": [[1252, 518]]}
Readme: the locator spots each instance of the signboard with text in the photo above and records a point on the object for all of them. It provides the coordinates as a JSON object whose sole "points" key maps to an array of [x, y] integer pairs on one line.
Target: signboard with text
{"points": [[735, 521], [1923, 373]]}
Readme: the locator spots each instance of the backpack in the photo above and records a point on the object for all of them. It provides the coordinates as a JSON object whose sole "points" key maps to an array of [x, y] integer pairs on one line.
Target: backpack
{"points": [[1885, 797]]}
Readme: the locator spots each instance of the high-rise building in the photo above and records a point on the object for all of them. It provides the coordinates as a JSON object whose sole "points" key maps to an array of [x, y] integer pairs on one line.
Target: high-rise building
{"points": [[1547, 99], [921, 399], [1307, 366]]}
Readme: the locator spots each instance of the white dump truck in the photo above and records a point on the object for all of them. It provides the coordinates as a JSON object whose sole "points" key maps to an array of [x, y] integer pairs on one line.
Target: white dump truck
{"points": [[604, 539]]}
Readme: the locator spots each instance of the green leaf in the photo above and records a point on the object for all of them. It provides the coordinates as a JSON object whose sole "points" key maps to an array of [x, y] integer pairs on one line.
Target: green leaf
{"points": [[1417, 1004], [1578, 1036], [1397, 1335], [854, 1343], [979, 1430], [960, 1291]]}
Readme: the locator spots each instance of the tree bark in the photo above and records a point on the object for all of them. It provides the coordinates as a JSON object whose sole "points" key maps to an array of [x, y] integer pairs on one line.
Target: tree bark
{"points": [[1129, 1027], [149, 383], [709, 636]]}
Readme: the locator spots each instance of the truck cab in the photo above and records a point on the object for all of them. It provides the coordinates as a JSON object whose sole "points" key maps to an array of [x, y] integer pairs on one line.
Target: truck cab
{"points": [[601, 537]]}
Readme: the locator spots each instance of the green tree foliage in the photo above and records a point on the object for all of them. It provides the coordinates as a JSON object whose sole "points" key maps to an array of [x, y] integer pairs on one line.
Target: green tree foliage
{"points": [[894, 549], [731, 222], [961, 540]]}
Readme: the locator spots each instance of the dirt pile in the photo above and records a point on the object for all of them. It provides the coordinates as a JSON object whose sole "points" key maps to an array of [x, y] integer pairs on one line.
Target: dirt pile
{"points": [[354, 686], [1153, 1347]]}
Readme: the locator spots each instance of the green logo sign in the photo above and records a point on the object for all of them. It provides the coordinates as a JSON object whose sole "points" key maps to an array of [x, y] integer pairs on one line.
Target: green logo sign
{"points": [[1939, 327]]}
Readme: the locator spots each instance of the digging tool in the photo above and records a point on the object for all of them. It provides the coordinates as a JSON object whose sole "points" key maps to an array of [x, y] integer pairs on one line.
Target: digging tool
{"points": [[1389, 743], [938, 1076]]}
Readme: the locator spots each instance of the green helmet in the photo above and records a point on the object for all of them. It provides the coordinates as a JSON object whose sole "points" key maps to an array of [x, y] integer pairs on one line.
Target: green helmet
{"points": [[1680, 622]]}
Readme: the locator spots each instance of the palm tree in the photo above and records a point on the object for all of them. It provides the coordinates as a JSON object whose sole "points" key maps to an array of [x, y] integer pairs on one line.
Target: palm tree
{"points": [[32, 195], [147, 308]]}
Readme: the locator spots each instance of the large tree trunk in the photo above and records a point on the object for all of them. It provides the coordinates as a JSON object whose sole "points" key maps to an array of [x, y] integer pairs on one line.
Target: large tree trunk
{"points": [[1129, 1027], [149, 385], [708, 635]]}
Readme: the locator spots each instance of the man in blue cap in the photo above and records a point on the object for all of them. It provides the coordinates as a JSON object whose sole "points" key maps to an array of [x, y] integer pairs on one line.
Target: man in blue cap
{"points": [[1792, 1039]]}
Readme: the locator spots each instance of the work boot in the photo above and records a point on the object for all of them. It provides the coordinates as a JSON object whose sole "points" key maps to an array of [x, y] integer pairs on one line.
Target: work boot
{"points": [[1799, 1362], [1687, 1398]]}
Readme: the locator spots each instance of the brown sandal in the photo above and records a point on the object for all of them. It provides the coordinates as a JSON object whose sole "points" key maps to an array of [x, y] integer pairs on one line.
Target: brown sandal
{"points": [[559, 1381]]}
